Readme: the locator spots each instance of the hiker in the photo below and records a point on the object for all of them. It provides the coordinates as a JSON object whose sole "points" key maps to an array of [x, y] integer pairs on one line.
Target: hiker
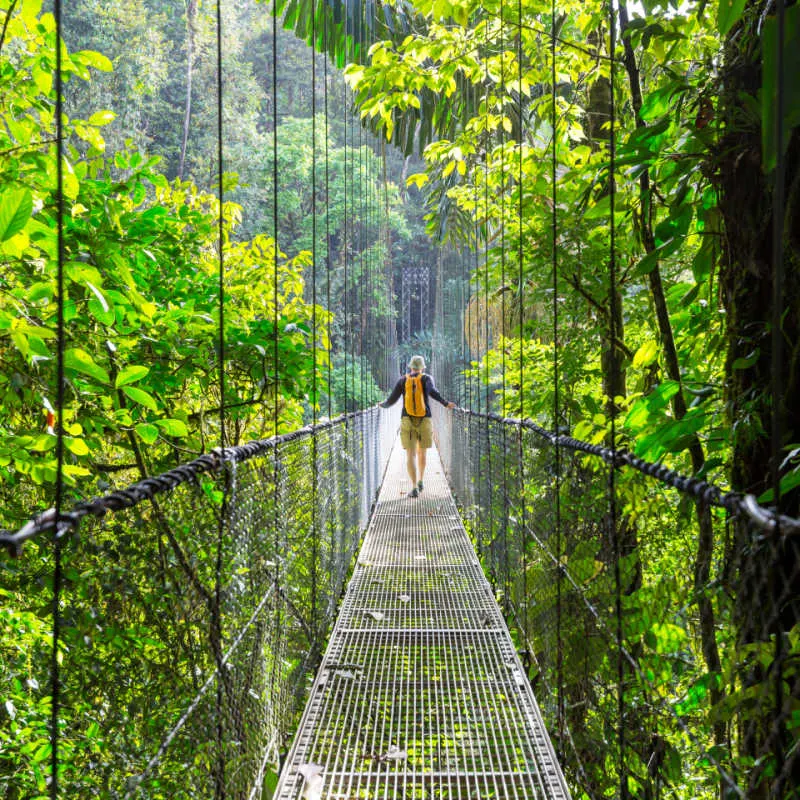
{"points": [[416, 430]]}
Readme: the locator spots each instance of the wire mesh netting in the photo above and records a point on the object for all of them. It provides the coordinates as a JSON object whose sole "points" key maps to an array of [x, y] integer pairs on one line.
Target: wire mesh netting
{"points": [[191, 623], [657, 674], [420, 693]]}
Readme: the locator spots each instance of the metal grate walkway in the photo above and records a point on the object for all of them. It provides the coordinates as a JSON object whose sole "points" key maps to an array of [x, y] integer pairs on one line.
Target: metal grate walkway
{"points": [[420, 693]]}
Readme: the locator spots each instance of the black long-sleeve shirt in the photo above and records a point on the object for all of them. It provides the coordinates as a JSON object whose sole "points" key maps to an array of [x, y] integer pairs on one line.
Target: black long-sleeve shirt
{"points": [[428, 389]]}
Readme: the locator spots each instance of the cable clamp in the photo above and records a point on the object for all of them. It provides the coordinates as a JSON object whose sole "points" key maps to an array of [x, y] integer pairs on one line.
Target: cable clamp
{"points": [[46, 521], [768, 520]]}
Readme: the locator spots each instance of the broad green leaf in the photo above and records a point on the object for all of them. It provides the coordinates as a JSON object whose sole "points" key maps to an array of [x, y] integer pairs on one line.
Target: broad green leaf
{"points": [[141, 397], [173, 427], [131, 374], [647, 264], [99, 295], [76, 446], [728, 12], [92, 59], [147, 432], [16, 206], [646, 354], [103, 315], [666, 638], [788, 482], [80, 361], [102, 117]]}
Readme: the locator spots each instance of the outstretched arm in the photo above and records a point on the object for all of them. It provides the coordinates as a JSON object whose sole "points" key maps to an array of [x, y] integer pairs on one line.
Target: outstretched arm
{"points": [[395, 395], [434, 393]]}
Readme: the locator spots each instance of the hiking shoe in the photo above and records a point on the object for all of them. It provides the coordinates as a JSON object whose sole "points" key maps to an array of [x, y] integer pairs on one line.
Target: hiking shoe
{"points": [[420, 486], [413, 492]]}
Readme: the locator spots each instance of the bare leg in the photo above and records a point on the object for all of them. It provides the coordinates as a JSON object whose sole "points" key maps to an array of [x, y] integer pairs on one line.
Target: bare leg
{"points": [[422, 457], [411, 463]]}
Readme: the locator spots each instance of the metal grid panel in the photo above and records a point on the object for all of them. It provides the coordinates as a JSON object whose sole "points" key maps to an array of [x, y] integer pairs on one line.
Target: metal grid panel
{"points": [[421, 693]]}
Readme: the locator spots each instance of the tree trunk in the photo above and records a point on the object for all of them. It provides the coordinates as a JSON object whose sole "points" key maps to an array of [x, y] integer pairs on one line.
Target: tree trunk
{"points": [[767, 583], [705, 539]]}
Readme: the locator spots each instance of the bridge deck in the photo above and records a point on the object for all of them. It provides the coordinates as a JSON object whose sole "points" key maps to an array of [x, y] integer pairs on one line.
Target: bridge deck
{"points": [[420, 693]]}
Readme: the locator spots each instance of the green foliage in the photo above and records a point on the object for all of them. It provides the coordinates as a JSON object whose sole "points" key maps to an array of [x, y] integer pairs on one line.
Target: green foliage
{"points": [[141, 283]]}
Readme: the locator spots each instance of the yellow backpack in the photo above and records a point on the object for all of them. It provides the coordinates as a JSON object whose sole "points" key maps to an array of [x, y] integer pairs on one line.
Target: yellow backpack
{"points": [[415, 396]]}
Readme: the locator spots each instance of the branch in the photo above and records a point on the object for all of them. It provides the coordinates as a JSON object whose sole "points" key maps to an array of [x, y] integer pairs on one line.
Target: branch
{"points": [[29, 145], [5, 24], [620, 345]]}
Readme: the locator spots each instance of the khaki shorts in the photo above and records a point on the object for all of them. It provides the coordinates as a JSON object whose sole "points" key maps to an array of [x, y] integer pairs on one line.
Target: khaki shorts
{"points": [[416, 429]]}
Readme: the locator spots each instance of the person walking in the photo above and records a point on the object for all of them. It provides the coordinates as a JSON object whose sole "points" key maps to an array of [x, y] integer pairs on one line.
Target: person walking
{"points": [[416, 430]]}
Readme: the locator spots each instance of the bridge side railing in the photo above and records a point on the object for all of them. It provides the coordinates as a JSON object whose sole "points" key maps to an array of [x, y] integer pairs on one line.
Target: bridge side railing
{"points": [[664, 653], [193, 610]]}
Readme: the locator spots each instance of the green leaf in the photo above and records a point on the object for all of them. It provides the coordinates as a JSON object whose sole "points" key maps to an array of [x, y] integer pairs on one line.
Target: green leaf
{"points": [[102, 117], [788, 482], [147, 432], [769, 85], [93, 59], [728, 12], [647, 264], [80, 361], [646, 354], [173, 427], [666, 638], [141, 397], [747, 361], [16, 206], [99, 295], [76, 446], [131, 375]]}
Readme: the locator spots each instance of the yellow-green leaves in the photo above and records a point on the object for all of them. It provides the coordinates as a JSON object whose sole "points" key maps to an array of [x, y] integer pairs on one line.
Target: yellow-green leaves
{"points": [[79, 361], [646, 354], [728, 13], [131, 374], [16, 205]]}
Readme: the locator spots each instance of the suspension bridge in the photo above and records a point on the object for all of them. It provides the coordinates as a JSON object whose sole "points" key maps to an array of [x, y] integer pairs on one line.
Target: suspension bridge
{"points": [[278, 619], [421, 690]]}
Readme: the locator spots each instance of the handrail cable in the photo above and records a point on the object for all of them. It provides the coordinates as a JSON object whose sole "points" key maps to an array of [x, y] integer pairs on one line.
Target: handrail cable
{"points": [[736, 503]]}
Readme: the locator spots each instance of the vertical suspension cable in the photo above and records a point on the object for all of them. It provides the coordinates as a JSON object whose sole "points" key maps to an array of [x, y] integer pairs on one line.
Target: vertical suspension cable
{"points": [[345, 247], [275, 350], [521, 301], [613, 335], [490, 483], [327, 215], [556, 377], [314, 475], [55, 674], [776, 356], [219, 787], [362, 238], [353, 233], [504, 410], [778, 277], [477, 317]]}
